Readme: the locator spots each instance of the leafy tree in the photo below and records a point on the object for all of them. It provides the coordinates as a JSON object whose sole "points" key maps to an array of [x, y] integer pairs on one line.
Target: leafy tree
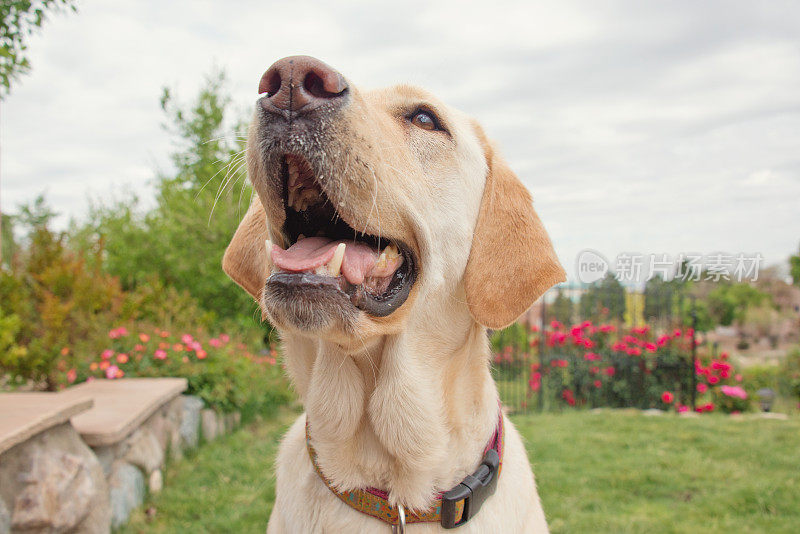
{"points": [[562, 308], [728, 302], [662, 298], [198, 207], [53, 303], [20, 18], [604, 299], [794, 268]]}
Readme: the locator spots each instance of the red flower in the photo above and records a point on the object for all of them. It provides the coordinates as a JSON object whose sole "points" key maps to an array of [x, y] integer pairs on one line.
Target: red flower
{"points": [[667, 397], [702, 388], [606, 328], [651, 347], [555, 325], [598, 384], [594, 370], [713, 379], [609, 371]]}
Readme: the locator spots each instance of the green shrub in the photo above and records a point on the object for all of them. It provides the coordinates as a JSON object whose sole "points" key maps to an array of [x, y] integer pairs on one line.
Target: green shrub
{"points": [[224, 373], [790, 370]]}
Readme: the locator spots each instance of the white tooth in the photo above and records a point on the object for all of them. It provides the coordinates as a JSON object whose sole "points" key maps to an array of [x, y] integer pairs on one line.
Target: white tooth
{"points": [[391, 251], [381, 263], [335, 265], [268, 244]]}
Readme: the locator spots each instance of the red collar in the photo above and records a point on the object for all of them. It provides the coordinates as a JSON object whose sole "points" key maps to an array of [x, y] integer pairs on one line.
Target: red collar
{"points": [[451, 508]]}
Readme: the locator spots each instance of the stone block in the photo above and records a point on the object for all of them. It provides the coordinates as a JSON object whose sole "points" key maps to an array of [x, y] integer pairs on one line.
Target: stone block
{"points": [[126, 493], [210, 424], [190, 421]]}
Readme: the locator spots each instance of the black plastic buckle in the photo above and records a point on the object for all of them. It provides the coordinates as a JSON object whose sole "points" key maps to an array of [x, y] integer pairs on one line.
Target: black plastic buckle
{"points": [[473, 490]]}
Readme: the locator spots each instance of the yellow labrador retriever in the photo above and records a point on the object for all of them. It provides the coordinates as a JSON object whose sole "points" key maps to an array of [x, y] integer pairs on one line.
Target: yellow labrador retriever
{"points": [[387, 234]]}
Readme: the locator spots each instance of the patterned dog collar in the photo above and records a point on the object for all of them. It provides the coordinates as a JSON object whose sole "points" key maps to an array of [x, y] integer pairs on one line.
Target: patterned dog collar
{"points": [[451, 508]]}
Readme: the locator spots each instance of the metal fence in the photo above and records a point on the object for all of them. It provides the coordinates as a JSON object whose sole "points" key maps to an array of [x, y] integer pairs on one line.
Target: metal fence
{"points": [[599, 346]]}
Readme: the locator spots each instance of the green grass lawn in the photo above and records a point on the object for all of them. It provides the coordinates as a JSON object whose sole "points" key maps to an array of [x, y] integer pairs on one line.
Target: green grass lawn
{"points": [[609, 472]]}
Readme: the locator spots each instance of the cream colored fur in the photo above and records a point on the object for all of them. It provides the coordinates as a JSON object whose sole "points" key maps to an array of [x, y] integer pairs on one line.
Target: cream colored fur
{"points": [[407, 402]]}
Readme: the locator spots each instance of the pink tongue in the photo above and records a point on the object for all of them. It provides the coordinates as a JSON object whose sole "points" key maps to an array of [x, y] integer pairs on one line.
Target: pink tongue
{"points": [[312, 252]]}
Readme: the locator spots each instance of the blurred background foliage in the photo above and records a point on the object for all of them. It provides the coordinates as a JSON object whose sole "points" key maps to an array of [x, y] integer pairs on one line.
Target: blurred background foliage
{"points": [[156, 267]]}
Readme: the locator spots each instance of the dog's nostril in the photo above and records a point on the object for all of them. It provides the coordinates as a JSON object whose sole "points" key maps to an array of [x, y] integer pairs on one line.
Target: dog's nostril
{"points": [[270, 83], [329, 85]]}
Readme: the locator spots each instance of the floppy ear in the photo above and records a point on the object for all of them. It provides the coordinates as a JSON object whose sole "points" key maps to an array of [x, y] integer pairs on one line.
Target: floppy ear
{"points": [[245, 258], [512, 261]]}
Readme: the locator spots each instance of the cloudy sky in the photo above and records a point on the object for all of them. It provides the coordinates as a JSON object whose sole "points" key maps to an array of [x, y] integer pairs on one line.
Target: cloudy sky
{"points": [[640, 127]]}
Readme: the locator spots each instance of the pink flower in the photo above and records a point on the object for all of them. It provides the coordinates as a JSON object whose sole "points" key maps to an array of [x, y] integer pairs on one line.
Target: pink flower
{"points": [[682, 408], [609, 371], [195, 346], [111, 372], [144, 338], [555, 325], [224, 338], [734, 391], [598, 384], [160, 354], [651, 347], [186, 338], [702, 388], [667, 397], [107, 354], [713, 379], [606, 328], [72, 374], [122, 358], [214, 342], [138, 347], [663, 340]]}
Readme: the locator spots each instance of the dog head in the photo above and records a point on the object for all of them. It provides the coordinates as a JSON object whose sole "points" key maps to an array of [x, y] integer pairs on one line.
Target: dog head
{"points": [[371, 205]]}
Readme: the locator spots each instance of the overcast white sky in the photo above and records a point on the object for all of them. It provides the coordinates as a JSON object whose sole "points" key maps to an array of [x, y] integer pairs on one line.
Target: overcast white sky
{"points": [[652, 127]]}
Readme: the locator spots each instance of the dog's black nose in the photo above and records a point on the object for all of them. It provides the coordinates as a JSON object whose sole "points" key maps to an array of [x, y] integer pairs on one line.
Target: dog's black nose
{"points": [[300, 82]]}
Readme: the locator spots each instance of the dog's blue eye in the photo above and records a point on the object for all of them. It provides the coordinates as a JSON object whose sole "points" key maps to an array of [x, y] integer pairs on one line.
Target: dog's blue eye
{"points": [[424, 120]]}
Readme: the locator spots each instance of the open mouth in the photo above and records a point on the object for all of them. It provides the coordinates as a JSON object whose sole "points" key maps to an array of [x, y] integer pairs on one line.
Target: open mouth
{"points": [[374, 273]]}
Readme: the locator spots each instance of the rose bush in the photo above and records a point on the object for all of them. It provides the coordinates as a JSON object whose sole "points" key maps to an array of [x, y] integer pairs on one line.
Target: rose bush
{"points": [[221, 371], [606, 365]]}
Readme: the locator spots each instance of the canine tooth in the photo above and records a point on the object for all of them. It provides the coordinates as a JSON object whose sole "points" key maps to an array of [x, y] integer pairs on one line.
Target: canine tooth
{"points": [[381, 263], [335, 265], [391, 251]]}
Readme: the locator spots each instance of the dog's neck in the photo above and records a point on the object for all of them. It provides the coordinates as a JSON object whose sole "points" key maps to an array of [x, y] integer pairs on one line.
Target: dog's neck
{"points": [[407, 414]]}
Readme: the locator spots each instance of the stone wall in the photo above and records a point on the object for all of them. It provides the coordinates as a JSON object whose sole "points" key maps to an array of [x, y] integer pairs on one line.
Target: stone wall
{"points": [[54, 482]]}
